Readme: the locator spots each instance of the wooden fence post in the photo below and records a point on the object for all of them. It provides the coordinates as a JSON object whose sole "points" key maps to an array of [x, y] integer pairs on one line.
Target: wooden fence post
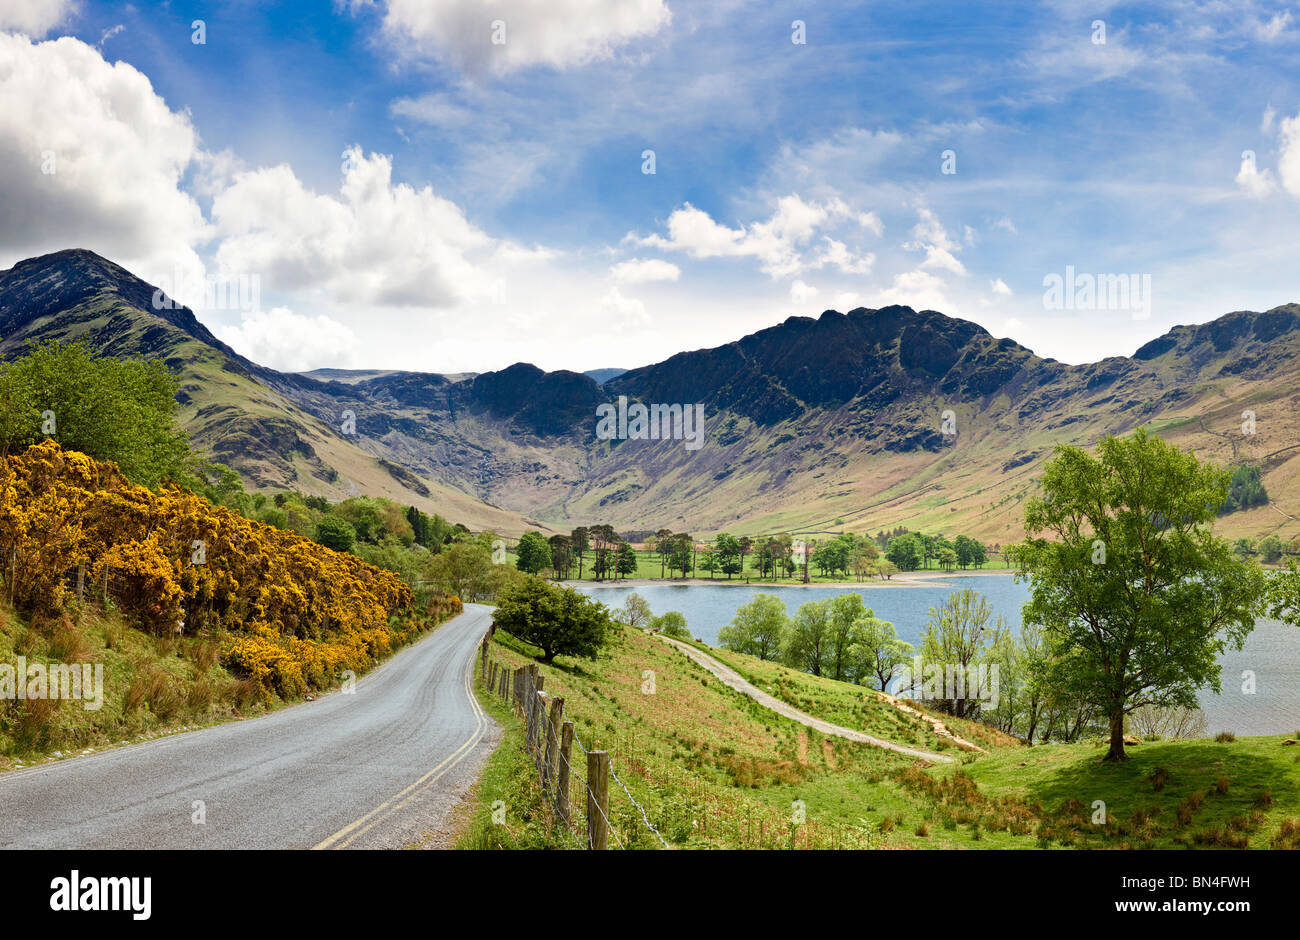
{"points": [[552, 732], [81, 582], [535, 721], [562, 774], [598, 800]]}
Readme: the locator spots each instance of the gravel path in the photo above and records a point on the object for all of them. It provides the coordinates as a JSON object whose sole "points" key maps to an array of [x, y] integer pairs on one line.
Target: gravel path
{"points": [[735, 680]]}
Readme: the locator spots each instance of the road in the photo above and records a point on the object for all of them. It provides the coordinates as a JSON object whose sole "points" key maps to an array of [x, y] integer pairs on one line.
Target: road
{"points": [[380, 767], [736, 681]]}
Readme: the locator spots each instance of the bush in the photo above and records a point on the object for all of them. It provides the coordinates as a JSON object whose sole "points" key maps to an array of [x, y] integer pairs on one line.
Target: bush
{"points": [[336, 533]]}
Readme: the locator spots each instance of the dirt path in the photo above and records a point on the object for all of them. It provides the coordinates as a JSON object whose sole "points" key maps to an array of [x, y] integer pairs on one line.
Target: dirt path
{"points": [[735, 680], [939, 727]]}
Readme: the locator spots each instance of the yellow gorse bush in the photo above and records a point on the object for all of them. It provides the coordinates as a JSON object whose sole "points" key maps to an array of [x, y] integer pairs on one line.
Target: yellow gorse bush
{"points": [[299, 613]]}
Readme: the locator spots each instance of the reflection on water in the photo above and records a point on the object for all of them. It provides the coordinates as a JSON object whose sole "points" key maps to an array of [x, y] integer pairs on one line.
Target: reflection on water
{"points": [[1271, 653]]}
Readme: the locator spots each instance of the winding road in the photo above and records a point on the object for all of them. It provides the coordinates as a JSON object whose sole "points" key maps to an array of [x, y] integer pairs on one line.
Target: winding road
{"points": [[380, 767], [735, 680]]}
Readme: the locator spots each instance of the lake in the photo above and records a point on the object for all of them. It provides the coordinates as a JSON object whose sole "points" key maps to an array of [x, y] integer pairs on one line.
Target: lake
{"points": [[1272, 652]]}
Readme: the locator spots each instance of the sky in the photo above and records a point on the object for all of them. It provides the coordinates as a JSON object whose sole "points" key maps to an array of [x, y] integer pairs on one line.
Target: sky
{"points": [[455, 186]]}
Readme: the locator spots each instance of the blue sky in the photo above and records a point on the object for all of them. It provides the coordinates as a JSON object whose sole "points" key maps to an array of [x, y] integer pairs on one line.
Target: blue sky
{"points": [[406, 193]]}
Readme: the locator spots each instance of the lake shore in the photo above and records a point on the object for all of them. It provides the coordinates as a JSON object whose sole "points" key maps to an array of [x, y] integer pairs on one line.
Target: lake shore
{"points": [[903, 579]]}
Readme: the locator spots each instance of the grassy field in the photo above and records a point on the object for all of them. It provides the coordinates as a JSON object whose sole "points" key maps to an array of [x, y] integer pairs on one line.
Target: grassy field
{"points": [[715, 769]]}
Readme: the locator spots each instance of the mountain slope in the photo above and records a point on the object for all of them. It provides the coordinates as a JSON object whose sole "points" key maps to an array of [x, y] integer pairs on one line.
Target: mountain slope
{"points": [[812, 425], [227, 403]]}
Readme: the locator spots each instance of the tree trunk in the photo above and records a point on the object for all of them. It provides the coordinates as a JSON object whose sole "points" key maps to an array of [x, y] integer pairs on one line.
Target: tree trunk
{"points": [[1116, 751]]}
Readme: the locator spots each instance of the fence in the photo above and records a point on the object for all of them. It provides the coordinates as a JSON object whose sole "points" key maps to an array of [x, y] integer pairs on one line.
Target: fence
{"points": [[550, 739]]}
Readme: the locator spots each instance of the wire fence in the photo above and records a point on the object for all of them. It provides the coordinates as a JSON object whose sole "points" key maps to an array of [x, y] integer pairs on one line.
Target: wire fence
{"points": [[575, 790]]}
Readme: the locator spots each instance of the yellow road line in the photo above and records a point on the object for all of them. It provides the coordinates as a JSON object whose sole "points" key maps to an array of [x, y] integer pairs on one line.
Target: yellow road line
{"points": [[390, 806]]}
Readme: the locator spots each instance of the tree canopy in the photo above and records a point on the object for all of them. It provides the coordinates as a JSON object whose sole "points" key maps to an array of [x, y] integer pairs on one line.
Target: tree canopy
{"points": [[1134, 594]]}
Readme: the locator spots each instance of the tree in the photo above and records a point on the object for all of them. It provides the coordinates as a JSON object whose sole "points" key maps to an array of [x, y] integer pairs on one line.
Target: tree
{"points": [[561, 555], [947, 558], [671, 624], [464, 569], [845, 610], [578, 544], [907, 552], [710, 563], [878, 651], [336, 533], [1135, 595], [757, 629], [533, 554], [1245, 489], [727, 548], [957, 640], [806, 644], [1270, 549], [625, 560], [635, 612], [744, 544], [109, 409], [557, 620]]}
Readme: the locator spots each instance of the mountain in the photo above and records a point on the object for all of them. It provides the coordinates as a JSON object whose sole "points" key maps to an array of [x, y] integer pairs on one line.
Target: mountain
{"points": [[230, 406], [601, 376], [812, 425]]}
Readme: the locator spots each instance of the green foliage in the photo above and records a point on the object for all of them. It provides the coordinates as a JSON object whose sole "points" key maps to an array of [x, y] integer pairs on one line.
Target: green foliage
{"points": [[557, 620], [878, 654], [109, 409], [671, 624], [336, 533], [758, 628], [534, 553], [961, 633], [1134, 594], [1245, 489], [907, 552]]}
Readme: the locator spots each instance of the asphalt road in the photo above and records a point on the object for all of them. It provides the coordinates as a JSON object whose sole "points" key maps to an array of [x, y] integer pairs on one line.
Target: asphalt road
{"points": [[381, 767]]}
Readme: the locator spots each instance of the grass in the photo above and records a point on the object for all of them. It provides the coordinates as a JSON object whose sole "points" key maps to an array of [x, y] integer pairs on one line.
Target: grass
{"points": [[855, 706], [714, 769], [152, 686]]}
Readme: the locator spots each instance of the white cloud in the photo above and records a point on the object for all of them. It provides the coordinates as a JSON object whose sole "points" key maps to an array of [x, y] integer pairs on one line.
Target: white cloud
{"points": [[556, 33], [1012, 325], [1288, 161], [434, 108], [35, 17], [778, 242], [930, 236], [109, 34], [117, 152], [999, 287], [919, 290], [1266, 120], [1275, 27], [376, 243], [848, 300], [1250, 178], [625, 311], [838, 254], [291, 342], [644, 270], [801, 293]]}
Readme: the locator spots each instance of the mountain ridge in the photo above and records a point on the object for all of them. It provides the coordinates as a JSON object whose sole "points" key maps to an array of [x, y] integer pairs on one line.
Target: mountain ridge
{"points": [[808, 420]]}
